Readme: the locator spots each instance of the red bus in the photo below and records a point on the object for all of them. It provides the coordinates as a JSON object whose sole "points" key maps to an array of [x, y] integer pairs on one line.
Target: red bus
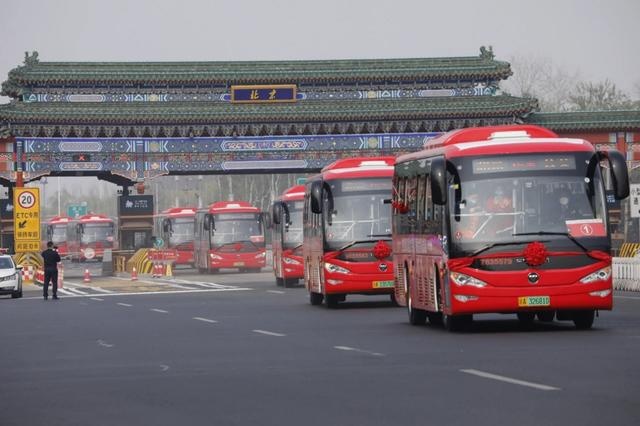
{"points": [[56, 232], [89, 235], [229, 234], [286, 236], [347, 230], [504, 219], [175, 226]]}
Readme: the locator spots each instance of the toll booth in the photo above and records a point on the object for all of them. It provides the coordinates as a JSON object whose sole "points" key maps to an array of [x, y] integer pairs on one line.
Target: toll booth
{"points": [[135, 223]]}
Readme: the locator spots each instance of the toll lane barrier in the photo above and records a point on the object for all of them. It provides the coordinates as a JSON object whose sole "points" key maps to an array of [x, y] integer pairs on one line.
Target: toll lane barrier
{"points": [[30, 262], [626, 273], [629, 249], [140, 261]]}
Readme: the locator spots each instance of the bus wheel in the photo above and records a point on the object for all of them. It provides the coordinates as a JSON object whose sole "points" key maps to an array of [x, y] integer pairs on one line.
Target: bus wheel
{"points": [[315, 298], [546, 316], [394, 301], [457, 322], [416, 316], [526, 318], [583, 319], [280, 282], [435, 318], [290, 282], [332, 300]]}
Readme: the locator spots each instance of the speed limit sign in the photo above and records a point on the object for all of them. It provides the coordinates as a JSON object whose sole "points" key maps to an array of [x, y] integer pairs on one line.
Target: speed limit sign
{"points": [[27, 199]]}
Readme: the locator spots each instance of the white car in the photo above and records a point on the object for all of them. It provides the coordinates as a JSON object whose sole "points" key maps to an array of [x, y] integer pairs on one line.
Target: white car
{"points": [[10, 277]]}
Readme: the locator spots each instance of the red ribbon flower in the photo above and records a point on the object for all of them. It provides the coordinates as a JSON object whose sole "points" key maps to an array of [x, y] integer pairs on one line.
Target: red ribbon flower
{"points": [[400, 207], [381, 250], [535, 254]]}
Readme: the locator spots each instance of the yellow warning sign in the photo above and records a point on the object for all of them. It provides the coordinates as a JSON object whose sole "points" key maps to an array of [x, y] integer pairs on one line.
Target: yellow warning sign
{"points": [[26, 219]]}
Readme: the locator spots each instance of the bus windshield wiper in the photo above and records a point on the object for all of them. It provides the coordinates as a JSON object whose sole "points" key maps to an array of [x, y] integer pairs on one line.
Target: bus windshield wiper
{"points": [[566, 234], [387, 236], [492, 245], [353, 243]]}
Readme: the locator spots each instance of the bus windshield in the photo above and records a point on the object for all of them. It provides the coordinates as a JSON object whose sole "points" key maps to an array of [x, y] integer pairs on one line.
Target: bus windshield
{"points": [[97, 232], [293, 233], [181, 231], [231, 228], [499, 202], [354, 210], [58, 233]]}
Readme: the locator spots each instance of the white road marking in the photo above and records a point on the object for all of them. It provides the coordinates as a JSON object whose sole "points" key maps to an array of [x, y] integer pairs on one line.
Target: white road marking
{"points": [[269, 333], [142, 293], [162, 311], [205, 320], [276, 291], [105, 344], [98, 289], [74, 290], [627, 297], [348, 348], [125, 304], [97, 299], [164, 367], [509, 380]]}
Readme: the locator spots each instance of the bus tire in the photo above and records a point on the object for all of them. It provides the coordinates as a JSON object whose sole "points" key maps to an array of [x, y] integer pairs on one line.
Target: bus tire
{"points": [[315, 298], [280, 282], [583, 320], [290, 282], [456, 323], [435, 318], [416, 316], [332, 300]]}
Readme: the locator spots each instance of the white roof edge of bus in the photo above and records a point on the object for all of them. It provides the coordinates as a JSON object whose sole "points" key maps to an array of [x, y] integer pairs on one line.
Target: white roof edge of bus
{"points": [[497, 142], [356, 169], [294, 194]]}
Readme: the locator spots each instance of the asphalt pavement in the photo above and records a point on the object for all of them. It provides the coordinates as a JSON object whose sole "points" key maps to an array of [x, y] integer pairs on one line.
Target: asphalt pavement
{"points": [[234, 349]]}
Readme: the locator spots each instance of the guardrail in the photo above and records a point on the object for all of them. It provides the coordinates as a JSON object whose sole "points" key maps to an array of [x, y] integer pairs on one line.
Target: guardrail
{"points": [[626, 273]]}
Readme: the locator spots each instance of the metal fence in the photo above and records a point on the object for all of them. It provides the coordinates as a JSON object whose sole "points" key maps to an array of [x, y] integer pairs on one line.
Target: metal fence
{"points": [[626, 273]]}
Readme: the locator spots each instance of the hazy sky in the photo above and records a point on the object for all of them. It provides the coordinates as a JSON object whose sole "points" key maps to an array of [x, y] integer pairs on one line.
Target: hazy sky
{"points": [[597, 38]]}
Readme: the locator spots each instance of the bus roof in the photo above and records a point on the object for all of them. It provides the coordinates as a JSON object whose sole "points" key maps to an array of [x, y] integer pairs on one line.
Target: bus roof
{"points": [[358, 167], [496, 140], [58, 220], [232, 207], [91, 217], [294, 193], [179, 212]]}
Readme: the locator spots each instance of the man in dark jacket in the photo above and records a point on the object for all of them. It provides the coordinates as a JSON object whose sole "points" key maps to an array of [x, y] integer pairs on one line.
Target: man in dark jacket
{"points": [[51, 259]]}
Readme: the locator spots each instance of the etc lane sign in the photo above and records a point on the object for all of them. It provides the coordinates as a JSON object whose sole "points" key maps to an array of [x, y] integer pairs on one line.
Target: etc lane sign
{"points": [[26, 219], [634, 200]]}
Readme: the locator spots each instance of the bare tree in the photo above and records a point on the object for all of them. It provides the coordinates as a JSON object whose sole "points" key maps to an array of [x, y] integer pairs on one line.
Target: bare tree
{"points": [[598, 96], [538, 77]]}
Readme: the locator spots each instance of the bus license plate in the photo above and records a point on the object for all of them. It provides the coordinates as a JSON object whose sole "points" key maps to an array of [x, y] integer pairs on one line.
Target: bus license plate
{"points": [[238, 263], [382, 284], [534, 301]]}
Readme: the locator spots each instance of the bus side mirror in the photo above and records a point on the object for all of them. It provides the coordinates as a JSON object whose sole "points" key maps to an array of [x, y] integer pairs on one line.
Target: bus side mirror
{"points": [[206, 223], [277, 212], [166, 225], [619, 173], [439, 181], [316, 197]]}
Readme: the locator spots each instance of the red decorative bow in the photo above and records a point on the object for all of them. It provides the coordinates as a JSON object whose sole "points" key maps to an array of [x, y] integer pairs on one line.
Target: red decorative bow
{"points": [[535, 254], [381, 250]]}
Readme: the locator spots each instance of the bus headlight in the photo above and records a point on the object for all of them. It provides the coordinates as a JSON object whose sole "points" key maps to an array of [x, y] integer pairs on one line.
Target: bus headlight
{"points": [[466, 280], [330, 267], [600, 275], [260, 255], [215, 256], [290, 261]]}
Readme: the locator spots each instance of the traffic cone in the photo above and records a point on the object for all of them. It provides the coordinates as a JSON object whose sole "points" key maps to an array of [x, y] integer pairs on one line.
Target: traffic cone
{"points": [[87, 276], [169, 272], [134, 274], [155, 273]]}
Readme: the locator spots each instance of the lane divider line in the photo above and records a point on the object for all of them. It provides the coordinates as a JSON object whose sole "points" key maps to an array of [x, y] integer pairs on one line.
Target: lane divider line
{"points": [[276, 291], [205, 320], [162, 311], [97, 299], [269, 333], [124, 304], [350, 349], [509, 380]]}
